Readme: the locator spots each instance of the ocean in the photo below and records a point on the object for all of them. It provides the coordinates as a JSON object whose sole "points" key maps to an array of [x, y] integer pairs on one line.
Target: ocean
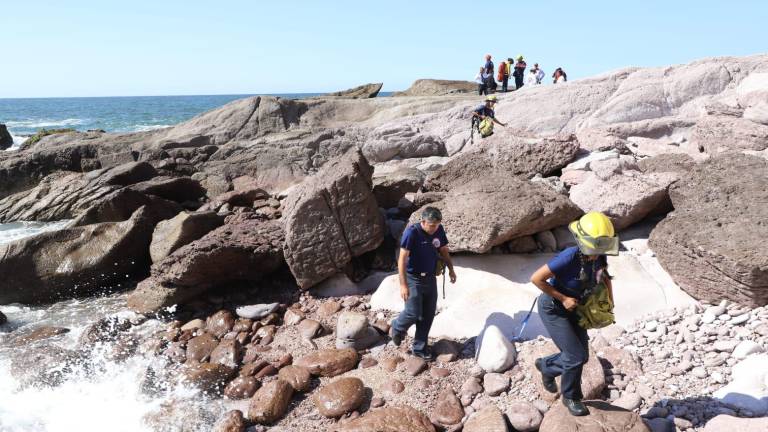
{"points": [[24, 117]]}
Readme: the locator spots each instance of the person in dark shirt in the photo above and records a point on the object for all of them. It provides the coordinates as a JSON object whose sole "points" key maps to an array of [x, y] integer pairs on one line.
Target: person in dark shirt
{"points": [[486, 110], [490, 83], [566, 280], [421, 246], [519, 72]]}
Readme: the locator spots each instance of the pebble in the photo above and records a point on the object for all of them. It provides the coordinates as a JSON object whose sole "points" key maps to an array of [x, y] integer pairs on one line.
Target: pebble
{"points": [[740, 319]]}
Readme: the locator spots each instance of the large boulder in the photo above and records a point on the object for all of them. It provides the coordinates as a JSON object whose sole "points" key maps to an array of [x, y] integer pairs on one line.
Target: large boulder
{"points": [[181, 230], [603, 417], [713, 243], [330, 219], [76, 261], [389, 419], [390, 187], [66, 195], [727, 423], [625, 198], [488, 212], [179, 189], [512, 156], [748, 389], [435, 87], [244, 250], [364, 91], [6, 140], [488, 419]]}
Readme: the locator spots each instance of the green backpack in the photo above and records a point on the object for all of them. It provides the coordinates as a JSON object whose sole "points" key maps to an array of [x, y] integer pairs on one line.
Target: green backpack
{"points": [[597, 310], [486, 127]]}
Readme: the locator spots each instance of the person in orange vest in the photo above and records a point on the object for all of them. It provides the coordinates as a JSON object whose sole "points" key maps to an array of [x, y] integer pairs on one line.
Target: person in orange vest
{"points": [[503, 76]]}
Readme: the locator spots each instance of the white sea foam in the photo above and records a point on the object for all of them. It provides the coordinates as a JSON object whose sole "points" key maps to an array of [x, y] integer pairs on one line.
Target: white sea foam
{"points": [[43, 123], [13, 231], [17, 142], [145, 128], [99, 394]]}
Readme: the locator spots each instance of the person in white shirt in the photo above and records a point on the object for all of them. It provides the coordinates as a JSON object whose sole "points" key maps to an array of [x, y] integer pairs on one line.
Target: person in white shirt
{"points": [[480, 79], [539, 73], [531, 78]]}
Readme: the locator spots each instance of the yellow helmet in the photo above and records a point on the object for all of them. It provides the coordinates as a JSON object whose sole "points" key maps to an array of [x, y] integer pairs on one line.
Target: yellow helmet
{"points": [[595, 235], [491, 98]]}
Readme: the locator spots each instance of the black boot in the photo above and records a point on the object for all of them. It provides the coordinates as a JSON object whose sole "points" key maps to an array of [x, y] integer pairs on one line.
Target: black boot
{"points": [[397, 338], [575, 407], [549, 381]]}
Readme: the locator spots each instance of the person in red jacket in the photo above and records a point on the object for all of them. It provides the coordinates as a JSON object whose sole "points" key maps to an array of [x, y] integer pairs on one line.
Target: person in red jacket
{"points": [[503, 75]]}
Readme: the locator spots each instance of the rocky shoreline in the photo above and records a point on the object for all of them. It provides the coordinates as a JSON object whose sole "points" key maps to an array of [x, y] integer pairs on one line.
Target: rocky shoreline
{"points": [[229, 224]]}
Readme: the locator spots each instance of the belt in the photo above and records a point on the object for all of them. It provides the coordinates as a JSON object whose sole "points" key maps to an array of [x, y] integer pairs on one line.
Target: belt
{"points": [[420, 274]]}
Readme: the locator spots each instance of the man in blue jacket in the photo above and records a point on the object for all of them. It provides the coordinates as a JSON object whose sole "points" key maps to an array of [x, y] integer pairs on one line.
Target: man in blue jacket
{"points": [[421, 246]]}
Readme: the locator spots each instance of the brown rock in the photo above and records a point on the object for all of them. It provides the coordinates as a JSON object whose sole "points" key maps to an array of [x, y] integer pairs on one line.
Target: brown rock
{"points": [[364, 91], [270, 402], [390, 363], [592, 379], [522, 157], [199, 348], [220, 323], [227, 353], [603, 417], [722, 198], [293, 316], [390, 419], [446, 350], [327, 309], [621, 361], [439, 373], [488, 419], [331, 218], [415, 365], [392, 387], [523, 416], [231, 421], [242, 387], [377, 402], [448, 410], [478, 217], [340, 397], [268, 370], [329, 362], [309, 329], [242, 325], [367, 362], [37, 334], [297, 376], [251, 369], [209, 377], [181, 230], [244, 250]]}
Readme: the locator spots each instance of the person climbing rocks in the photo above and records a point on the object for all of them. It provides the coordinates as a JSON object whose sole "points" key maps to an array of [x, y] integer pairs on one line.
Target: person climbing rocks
{"points": [[482, 89], [503, 76], [490, 83], [422, 246], [559, 76], [484, 116], [539, 73], [567, 281], [519, 72]]}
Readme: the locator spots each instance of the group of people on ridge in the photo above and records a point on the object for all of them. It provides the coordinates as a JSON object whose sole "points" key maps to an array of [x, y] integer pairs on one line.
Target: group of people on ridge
{"points": [[486, 84], [577, 295]]}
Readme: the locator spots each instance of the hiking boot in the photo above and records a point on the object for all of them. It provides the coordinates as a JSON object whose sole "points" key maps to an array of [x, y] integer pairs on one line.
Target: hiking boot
{"points": [[549, 381], [397, 338], [575, 407], [426, 355]]}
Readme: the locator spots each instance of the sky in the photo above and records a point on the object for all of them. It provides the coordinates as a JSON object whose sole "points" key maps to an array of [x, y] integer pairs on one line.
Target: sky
{"points": [[169, 47]]}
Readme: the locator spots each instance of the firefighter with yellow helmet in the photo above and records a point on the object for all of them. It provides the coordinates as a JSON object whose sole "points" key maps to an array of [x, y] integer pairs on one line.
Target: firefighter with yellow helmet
{"points": [[577, 295]]}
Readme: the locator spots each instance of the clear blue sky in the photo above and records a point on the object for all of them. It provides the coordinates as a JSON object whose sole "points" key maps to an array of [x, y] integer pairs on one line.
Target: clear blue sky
{"points": [[162, 47]]}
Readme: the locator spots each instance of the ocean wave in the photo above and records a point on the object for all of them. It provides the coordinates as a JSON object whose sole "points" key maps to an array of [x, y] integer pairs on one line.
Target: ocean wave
{"points": [[43, 123], [17, 142], [145, 128]]}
